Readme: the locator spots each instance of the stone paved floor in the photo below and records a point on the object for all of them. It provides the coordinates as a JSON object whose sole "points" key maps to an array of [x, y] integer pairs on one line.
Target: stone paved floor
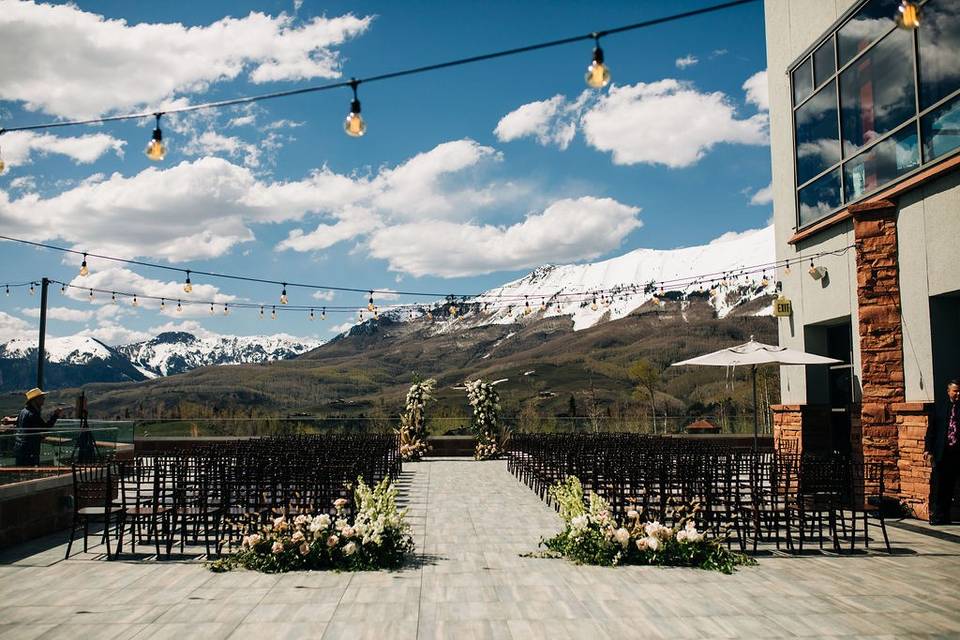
{"points": [[472, 521]]}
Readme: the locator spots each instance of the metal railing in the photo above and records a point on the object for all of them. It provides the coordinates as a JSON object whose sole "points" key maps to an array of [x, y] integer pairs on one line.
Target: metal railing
{"points": [[58, 448]]}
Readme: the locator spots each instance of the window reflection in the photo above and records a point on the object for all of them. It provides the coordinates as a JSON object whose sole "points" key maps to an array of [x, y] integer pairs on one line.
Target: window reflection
{"points": [[872, 21], [877, 92], [820, 198], [823, 66], [941, 130], [939, 43], [817, 135], [802, 82], [883, 162]]}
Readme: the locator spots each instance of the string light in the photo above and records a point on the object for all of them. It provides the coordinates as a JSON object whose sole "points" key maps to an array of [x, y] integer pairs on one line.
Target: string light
{"points": [[283, 294], [156, 150], [598, 74], [91, 293], [764, 281], [63, 289], [261, 312], [179, 307], [113, 297], [354, 124], [370, 302], [786, 268], [526, 307], [376, 313], [323, 314], [32, 290], [211, 309], [312, 318], [543, 304], [908, 15], [187, 285], [273, 313], [226, 310], [593, 305], [163, 305], [84, 271], [134, 303], [8, 289]]}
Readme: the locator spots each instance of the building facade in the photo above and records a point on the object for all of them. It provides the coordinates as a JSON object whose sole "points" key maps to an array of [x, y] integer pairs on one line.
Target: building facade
{"points": [[865, 143]]}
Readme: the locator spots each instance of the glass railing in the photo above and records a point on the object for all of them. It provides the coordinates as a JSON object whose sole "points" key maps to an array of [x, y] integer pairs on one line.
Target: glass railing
{"points": [[51, 452]]}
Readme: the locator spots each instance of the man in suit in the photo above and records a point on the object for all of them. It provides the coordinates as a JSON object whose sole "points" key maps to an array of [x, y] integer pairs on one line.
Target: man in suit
{"points": [[942, 447]]}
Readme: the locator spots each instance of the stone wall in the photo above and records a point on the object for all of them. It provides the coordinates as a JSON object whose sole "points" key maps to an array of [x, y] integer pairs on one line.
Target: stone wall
{"points": [[881, 334], [913, 419], [787, 427]]}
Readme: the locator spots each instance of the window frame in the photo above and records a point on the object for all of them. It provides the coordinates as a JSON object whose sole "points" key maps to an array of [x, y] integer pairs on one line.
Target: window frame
{"points": [[914, 120]]}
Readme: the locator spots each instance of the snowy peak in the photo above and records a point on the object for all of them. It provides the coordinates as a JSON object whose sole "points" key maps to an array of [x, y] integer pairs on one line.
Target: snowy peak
{"points": [[69, 350], [176, 352]]}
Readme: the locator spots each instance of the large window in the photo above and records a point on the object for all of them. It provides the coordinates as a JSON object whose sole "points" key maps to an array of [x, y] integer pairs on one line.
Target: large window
{"points": [[874, 103]]}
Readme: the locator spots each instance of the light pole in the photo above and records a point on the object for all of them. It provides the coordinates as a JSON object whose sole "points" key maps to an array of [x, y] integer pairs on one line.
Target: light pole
{"points": [[41, 345]]}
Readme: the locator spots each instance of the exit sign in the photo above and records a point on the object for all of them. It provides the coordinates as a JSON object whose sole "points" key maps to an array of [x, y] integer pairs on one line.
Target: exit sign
{"points": [[782, 307]]}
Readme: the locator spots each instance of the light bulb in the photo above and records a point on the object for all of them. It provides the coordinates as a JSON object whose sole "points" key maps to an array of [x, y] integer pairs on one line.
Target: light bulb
{"points": [[91, 293], [63, 289], [764, 281], [909, 15], [273, 313], [163, 305], [226, 310], [84, 271], [32, 290], [361, 315], [211, 309], [453, 310], [135, 303], [2, 164], [187, 285], [156, 150], [311, 315], [179, 307], [786, 269], [376, 313], [543, 305], [8, 289], [113, 298], [283, 295], [598, 74], [323, 314], [370, 305], [354, 124], [526, 307], [261, 312], [593, 306]]}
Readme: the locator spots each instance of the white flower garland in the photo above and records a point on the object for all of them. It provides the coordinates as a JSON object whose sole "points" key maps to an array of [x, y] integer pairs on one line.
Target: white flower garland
{"points": [[486, 419], [413, 432]]}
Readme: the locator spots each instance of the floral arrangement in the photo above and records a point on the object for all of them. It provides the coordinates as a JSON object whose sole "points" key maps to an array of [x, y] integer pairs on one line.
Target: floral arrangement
{"points": [[491, 438], [413, 432], [377, 538], [591, 535]]}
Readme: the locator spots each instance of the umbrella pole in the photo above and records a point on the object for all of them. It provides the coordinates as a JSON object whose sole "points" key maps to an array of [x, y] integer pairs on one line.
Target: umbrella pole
{"points": [[756, 417]]}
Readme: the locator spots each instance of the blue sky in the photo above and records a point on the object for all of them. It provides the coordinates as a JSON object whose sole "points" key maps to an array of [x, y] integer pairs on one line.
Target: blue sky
{"points": [[452, 189]]}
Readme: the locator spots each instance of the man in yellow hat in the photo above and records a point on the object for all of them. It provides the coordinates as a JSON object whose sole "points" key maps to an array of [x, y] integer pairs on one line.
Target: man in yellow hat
{"points": [[30, 425]]}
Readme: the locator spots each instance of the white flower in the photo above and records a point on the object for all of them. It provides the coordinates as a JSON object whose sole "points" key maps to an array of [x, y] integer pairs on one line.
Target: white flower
{"points": [[642, 544], [304, 549], [254, 539], [297, 537], [279, 523], [301, 520], [622, 536], [579, 522], [277, 547], [332, 541], [348, 532], [320, 522], [651, 528], [349, 549], [633, 514], [340, 503], [652, 543]]}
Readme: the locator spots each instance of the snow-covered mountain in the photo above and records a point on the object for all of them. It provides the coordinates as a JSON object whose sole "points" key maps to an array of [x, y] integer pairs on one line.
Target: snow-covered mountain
{"points": [[76, 360], [178, 351], [568, 290]]}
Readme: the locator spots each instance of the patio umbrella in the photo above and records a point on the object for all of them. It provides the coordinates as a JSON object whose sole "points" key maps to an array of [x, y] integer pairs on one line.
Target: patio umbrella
{"points": [[753, 354]]}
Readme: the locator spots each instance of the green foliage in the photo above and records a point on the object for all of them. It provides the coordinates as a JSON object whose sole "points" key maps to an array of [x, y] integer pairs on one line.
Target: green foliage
{"points": [[592, 536], [377, 538]]}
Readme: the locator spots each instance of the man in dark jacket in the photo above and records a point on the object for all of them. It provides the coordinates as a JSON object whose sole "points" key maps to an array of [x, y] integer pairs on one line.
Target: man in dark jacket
{"points": [[30, 425], [942, 447]]}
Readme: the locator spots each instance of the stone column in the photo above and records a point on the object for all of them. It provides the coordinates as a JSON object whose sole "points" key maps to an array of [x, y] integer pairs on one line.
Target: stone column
{"points": [[881, 333]]}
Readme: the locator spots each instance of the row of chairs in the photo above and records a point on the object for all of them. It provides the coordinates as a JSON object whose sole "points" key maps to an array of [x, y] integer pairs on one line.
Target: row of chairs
{"points": [[745, 495], [213, 494]]}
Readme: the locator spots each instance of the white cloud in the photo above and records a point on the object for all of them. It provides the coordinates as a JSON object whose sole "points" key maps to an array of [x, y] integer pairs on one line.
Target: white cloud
{"points": [[686, 61], [552, 121], [65, 314], [13, 327], [667, 122], [242, 121], [738, 235], [324, 296], [763, 195], [19, 147], [566, 231], [73, 63], [211, 143], [113, 334], [26, 183], [758, 91], [341, 328]]}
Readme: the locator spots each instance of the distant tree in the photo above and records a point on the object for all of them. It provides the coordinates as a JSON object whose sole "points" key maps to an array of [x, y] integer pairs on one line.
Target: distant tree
{"points": [[646, 377]]}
